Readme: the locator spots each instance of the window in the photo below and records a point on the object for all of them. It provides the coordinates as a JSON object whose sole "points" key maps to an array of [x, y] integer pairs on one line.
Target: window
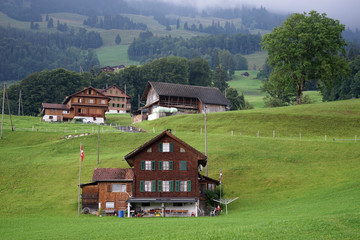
{"points": [[183, 186], [110, 91], [182, 150], [51, 117], [65, 112], [116, 92], [183, 165], [118, 98], [147, 165], [119, 187], [91, 100], [166, 147], [79, 110], [166, 165], [149, 149], [117, 105], [89, 91], [113, 104], [113, 99], [211, 186], [109, 205], [79, 100], [102, 101], [148, 186], [166, 186]]}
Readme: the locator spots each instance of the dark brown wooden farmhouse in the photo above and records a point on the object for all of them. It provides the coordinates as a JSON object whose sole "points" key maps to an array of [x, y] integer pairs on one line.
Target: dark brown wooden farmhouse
{"points": [[164, 99], [88, 104], [166, 180]]}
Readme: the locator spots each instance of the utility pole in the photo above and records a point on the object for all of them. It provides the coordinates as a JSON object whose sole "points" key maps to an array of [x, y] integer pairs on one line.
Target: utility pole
{"points": [[206, 143], [7, 99], [98, 160], [19, 102], [2, 112]]}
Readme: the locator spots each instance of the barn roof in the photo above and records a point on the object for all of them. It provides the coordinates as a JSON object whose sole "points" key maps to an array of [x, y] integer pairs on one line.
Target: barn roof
{"points": [[113, 174], [207, 95]]}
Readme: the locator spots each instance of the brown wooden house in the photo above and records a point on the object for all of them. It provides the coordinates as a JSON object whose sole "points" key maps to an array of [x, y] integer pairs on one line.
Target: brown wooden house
{"points": [[164, 99], [110, 189], [163, 180], [89, 105], [119, 100], [167, 179]]}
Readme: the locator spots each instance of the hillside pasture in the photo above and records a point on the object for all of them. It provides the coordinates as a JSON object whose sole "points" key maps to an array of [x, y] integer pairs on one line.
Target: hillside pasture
{"points": [[287, 187]]}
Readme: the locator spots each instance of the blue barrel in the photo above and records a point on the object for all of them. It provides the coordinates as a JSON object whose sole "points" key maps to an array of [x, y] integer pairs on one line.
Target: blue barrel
{"points": [[121, 214]]}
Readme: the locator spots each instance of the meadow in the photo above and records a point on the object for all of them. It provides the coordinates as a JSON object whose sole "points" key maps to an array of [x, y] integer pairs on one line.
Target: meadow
{"points": [[288, 187]]}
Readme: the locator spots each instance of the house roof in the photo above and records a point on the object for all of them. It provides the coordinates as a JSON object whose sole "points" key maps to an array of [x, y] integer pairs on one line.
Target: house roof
{"points": [[54, 106], [113, 174], [207, 95], [92, 88], [129, 157], [205, 178]]}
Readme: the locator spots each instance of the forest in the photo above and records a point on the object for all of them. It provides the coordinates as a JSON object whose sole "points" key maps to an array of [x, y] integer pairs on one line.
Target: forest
{"points": [[211, 48], [27, 52], [113, 22]]}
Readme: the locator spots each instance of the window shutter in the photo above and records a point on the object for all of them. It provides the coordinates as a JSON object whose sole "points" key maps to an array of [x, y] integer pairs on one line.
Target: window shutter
{"points": [[142, 186], [159, 186], [189, 185], [153, 186], [160, 147], [171, 147], [171, 185], [177, 186], [142, 165], [183, 165], [160, 165], [153, 165], [171, 165]]}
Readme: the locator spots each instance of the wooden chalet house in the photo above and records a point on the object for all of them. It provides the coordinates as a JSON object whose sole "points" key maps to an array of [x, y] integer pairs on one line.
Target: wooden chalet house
{"points": [[166, 180], [119, 100], [164, 99], [88, 104]]}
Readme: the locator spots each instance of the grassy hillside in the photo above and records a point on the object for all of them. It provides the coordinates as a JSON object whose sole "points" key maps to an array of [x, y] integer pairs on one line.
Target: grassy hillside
{"points": [[287, 187]]}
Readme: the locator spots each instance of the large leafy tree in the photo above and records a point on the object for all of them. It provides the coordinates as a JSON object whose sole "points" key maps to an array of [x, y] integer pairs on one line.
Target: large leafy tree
{"points": [[306, 47]]}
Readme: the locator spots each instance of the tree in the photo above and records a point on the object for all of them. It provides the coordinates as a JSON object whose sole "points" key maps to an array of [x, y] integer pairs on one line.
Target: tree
{"points": [[118, 39], [306, 47], [220, 78]]}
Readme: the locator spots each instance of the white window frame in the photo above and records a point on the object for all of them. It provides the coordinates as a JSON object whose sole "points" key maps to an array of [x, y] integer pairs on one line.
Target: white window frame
{"points": [[109, 205], [165, 186], [91, 100], [166, 165], [147, 186], [183, 186], [147, 165], [117, 187], [166, 147]]}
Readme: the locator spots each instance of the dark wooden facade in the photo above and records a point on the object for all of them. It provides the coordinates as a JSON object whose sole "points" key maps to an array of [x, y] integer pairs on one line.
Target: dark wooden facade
{"points": [[119, 100], [89, 104]]}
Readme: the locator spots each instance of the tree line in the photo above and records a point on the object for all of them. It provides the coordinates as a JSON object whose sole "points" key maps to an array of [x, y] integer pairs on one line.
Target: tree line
{"points": [[113, 22], [52, 86], [24, 52]]}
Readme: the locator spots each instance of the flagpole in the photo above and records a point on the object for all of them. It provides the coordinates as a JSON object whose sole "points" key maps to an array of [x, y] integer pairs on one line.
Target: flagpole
{"points": [[220, 183], [79, 183]]}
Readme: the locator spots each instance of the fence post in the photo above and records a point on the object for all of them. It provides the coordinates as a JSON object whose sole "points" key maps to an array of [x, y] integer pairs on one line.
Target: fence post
{"points": [[258, 133], [75, 131], [153, 130], [300, 136], [273, 133], [232, 132], [355, 138], [65, 130], [201, 131], [325, 138], [240, 134], [32, 128]]}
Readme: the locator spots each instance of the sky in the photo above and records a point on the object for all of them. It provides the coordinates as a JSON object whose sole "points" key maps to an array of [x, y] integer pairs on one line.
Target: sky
{"points": [[347, 11]]}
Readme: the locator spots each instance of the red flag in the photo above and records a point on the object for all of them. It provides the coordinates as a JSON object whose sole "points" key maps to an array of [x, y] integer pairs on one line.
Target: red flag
{"points": [[82, 153], [220, 176]]}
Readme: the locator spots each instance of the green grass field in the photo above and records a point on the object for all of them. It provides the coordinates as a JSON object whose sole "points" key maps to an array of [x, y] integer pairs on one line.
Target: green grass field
{"points": [[288, 188]]}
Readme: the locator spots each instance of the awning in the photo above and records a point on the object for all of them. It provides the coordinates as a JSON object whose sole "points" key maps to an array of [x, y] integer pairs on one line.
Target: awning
{"points": [[162, 200]]}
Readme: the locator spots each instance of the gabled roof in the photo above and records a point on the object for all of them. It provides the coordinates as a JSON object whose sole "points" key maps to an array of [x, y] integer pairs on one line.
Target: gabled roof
{"points": [[113, 174], [207, 95], [129, 157], [92, 88]]}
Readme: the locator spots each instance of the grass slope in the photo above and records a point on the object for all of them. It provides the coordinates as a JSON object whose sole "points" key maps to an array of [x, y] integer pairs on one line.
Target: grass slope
{"points": [[287, 188]]}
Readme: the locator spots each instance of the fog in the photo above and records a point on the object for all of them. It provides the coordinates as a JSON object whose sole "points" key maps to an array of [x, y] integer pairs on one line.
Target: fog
{"points": [[346, 10]]}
